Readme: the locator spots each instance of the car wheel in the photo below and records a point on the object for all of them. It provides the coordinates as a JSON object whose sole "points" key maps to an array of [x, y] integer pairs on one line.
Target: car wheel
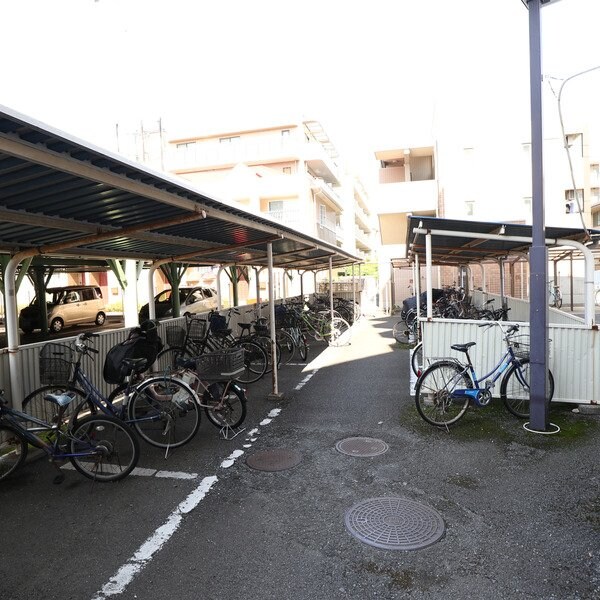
{"points": [[56, 326], [100, 319]]}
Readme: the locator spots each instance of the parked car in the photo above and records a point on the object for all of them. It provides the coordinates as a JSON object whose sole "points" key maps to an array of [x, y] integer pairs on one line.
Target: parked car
{"points": [[192, 300], [65, 306]]}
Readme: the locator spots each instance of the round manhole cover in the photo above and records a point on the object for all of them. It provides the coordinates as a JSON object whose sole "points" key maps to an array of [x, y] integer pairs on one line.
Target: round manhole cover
{"points": [[277, 459], [361, 446], [394, 523]]}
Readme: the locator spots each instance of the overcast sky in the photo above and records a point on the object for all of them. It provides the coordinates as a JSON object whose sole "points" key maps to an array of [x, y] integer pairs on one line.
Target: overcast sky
{"points": [[376, 73]]}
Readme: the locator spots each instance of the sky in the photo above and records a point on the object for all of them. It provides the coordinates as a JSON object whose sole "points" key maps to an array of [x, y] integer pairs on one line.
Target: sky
{"points": [[375, 73]]}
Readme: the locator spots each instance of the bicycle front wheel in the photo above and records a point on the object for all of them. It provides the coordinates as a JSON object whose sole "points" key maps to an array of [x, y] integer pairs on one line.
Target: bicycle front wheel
{"points": [[434, 393], [13, 451], [287, 346], [106, 448], [164, 412], [515, 391], [35, 404], [166, 361], [416, 359], [339, 333], [225, 404]]}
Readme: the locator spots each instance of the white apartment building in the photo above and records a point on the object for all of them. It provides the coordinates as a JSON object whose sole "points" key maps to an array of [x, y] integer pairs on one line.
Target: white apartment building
{"points": [[290, 173]]}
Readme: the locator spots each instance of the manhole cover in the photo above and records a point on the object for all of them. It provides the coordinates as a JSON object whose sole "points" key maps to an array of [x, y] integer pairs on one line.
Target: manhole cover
{"points": [[277, 459], [361, 446], [394, 523]]}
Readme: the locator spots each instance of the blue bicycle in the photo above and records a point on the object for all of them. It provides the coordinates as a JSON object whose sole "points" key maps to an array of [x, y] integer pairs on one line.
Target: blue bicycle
{"points": [[100, 447], [446, 388], [162, 409]]}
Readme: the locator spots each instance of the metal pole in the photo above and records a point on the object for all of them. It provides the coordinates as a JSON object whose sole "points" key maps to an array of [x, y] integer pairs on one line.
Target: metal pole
{"points": [[275, 392], [417, 283], [331, 286], [428, 275], [538, 256]]}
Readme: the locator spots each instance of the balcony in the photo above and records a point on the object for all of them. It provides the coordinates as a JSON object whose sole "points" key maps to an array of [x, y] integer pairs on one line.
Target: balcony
{"points": [[294, 219], [362, 218], [363, 240], [322, 187], [198, 155], [409, 196]]}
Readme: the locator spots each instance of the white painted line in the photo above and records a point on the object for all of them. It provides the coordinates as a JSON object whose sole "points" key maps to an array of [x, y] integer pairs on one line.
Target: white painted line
{"points": [[124, 576], [228, 462], [305, 380], [265, 421], [176, 475]]}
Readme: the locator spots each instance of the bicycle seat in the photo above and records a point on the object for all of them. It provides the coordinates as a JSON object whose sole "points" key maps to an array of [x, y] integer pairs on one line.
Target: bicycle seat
{"points": [[222, 332], [245, 326], [135, 364], [60, 399], [462, 347]]}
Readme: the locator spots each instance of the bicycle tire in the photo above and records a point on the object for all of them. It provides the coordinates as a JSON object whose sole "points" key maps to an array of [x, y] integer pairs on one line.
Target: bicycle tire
{"points": [[340, 332], [416, 359], [264, 341], [119, 448], [255, 362], [166, 360], [401, 333], [35, 405], [164, 412], [287, 345], [558, 300], [13, 450], [303, 347], [433, 393], [514, 388], [224, 408]]}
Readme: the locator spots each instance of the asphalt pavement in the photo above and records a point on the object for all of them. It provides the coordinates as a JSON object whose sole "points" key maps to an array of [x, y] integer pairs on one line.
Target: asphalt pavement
{"points": [[520, 511]]}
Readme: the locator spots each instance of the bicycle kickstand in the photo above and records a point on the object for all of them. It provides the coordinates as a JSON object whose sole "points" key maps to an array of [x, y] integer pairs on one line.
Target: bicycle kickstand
{"points": [[229, 433]]}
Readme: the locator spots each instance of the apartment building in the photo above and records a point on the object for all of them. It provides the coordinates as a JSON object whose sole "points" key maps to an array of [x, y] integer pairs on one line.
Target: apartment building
{"points": [[290, 173]]}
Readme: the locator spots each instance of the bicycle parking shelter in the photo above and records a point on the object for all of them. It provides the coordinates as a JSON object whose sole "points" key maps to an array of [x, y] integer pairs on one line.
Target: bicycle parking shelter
{"points": [[432, 241], [64, 200]]}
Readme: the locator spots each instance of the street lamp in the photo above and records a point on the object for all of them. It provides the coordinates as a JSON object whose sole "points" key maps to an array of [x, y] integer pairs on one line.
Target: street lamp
{"points": [[538, 257]]}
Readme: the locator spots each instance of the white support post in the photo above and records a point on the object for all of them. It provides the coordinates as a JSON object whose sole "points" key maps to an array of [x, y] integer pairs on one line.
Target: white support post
{"points": [[130, 295], [275, 392], [428, 275], [331, 285], [12, 332], [417, 283]]}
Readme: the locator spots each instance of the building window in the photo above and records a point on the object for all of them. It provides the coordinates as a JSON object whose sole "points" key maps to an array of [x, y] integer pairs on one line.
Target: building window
{"points": [[596, 219], [595, 175], [575, 143], [229, 140], [322, 214], [285, 133], [595, 193], [470, 207], [571, 201], [527, 203], [185, 146], [287, 170]]}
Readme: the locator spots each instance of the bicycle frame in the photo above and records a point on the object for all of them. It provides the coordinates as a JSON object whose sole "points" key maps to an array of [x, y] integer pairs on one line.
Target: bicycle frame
{"points": [[508, 358]]}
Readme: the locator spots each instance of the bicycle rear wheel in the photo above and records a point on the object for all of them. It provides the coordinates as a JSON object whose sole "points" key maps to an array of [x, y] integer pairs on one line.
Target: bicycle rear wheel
{"points": [[515, 391], [164, 412], [433, 393], [166, 361], [107, 448], [225, 404], [339, 332], [13, 451], [35, 404], [255, 362]]}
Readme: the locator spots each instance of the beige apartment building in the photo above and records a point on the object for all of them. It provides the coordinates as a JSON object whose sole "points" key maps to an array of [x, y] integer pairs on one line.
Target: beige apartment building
{"points": [[290, 173], [486, 181]]}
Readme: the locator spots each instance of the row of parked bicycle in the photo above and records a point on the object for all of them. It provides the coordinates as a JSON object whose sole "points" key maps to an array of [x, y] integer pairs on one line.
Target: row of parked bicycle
{"points": [[204, 367], [446, 387]]}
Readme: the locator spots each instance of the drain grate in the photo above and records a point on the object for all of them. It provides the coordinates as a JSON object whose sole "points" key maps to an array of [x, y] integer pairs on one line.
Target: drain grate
{"points": [[277, 459], [361, 446], [394, 523]]}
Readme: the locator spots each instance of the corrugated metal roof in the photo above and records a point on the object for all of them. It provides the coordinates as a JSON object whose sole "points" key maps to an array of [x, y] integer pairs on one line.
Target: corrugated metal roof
{"points": [[467, 247], [62, 196]]}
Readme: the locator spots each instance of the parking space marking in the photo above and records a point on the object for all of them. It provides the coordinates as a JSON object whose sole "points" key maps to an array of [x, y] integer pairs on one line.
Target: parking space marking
{"points": [[140, 472], [125, 575], [305, 380]]}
